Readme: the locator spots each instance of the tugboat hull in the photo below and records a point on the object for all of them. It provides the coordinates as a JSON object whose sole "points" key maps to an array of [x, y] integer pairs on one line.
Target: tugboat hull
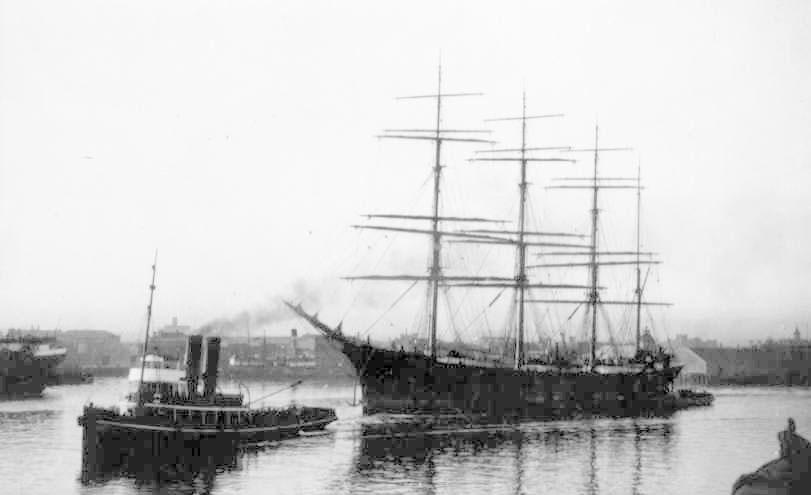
{"points": [[108, 427], [108, 435]]}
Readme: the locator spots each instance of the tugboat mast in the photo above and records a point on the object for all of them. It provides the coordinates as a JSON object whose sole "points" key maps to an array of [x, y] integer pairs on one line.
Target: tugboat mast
{"points": [[146, 337]]}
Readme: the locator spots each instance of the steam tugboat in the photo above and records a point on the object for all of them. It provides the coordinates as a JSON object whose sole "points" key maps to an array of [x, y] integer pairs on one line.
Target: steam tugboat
{"points": [[167, 406]]}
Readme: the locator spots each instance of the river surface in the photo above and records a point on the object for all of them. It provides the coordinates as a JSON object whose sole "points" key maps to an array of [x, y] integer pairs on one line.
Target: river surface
{"points": [[695, 451]]}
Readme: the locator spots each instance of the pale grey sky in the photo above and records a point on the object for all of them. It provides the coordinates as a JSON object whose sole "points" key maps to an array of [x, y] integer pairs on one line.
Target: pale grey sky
{"points": [[238, 139]]}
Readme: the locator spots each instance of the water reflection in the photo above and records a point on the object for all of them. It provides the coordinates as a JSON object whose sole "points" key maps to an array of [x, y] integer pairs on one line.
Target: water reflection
{"points": [[597, 456], [192, 468]]}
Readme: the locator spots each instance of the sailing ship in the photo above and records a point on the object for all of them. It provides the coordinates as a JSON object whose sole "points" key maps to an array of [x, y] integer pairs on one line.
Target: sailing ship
{"points": [[517, 385], [168, 406]]}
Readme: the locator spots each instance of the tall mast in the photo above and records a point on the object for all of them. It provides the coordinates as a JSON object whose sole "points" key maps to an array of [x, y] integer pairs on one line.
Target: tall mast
{"points": [[438, 135], [521, 278], [520, 283], [638, 245], [146, 337], [594, 295], [436, 244], [593, 299]]}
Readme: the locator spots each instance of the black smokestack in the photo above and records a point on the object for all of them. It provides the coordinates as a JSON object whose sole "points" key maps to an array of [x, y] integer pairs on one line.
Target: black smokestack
{"points": [[212, 361], [194, 348]]}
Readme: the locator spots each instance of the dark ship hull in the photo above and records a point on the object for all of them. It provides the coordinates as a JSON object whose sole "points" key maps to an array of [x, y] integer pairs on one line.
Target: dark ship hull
{"points": [[13, 387], [410, 382], [23, 371]]}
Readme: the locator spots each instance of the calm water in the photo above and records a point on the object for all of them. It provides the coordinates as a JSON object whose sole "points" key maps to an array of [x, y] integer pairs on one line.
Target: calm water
{"points": [[695, 451]]}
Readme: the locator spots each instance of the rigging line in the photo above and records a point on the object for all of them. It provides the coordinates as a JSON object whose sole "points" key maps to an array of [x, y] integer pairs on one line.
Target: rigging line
{"points": [[665, 330], [585, 324], [450, 317], [345, 260], [392, 239], [539, 322], [645, 282], [650, 320], [483, 312], [451, 194], [396, 301], [488, 327], [425, 316], [563, 325], [611, 340], [508, 330]]}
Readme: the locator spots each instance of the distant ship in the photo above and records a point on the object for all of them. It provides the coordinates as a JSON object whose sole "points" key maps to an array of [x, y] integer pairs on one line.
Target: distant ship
{"points": [[512, 384], [28, 365]]}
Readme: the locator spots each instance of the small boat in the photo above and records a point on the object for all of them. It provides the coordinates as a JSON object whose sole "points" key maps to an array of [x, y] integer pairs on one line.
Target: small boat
{"points": [[790, 474], [690, 398], [168, 405]]}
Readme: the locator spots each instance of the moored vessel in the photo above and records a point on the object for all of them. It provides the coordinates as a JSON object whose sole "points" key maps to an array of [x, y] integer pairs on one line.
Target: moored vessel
{"points": [[28, 365]]}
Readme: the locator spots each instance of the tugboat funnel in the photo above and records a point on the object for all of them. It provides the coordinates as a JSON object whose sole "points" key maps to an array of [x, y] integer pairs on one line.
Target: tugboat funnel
{"points": [[212, 362], [194, 350]]}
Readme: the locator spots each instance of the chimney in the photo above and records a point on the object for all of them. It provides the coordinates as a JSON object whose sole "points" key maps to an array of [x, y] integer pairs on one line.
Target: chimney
{"points": [[194, 348], [212, 361], [294, 340]]}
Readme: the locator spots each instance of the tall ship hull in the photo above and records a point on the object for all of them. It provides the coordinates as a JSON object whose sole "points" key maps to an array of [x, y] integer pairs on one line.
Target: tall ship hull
{"points": [[412, 382]]}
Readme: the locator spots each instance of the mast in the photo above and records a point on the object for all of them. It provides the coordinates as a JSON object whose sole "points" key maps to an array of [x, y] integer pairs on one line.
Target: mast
{"points": [[436, 246], [521, 282], [638, 246], [146, 337], [594, 295], [593, 298], [521, 278], [517, 237], [438, 135]]}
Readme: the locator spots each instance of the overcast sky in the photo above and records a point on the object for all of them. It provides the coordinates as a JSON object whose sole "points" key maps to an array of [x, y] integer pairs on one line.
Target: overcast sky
{"points": [[238, 138]]}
